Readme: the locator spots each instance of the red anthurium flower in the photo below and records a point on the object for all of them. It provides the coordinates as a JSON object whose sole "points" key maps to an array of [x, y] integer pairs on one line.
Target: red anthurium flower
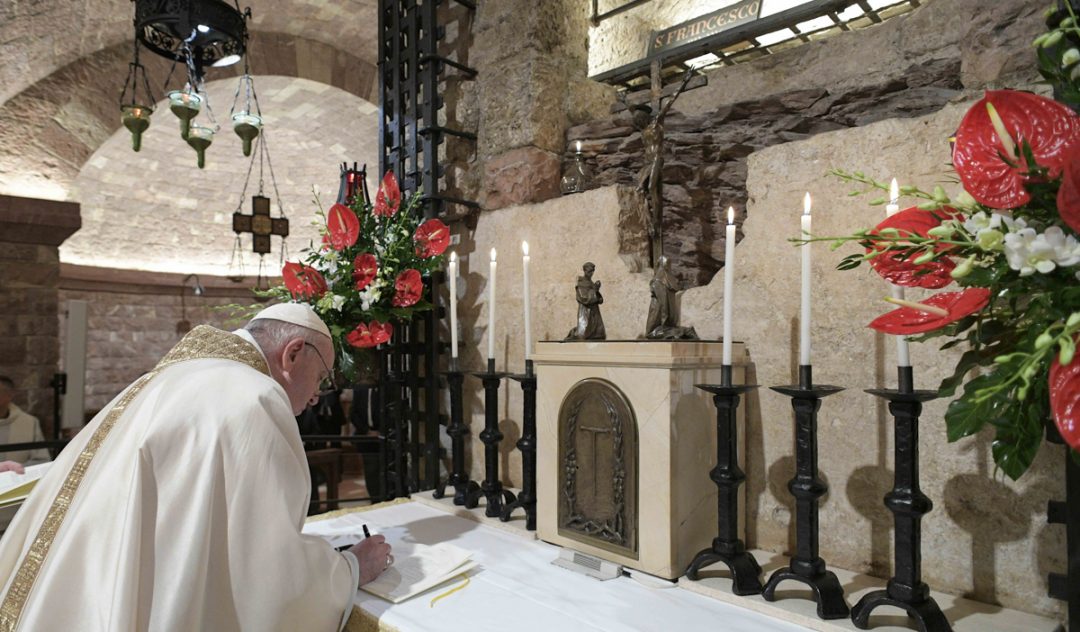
{"points": [[1068, 198], [901, 270], [342, 227], [365, 267], [370, 335], [432, 237], [303, 281], [1048, 127], [381, 332], [407, 288], [1065, 399], [388, 198], [908, 320]]}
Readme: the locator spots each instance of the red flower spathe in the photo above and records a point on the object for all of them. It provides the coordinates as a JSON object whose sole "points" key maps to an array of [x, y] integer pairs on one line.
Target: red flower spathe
{"points": [[388, 198], [369, 335], [432, 238], [900, 270], [1048, 127], [1068, 197], [365, 267], [1065, 399], [303, 282], [342, 227], [906, 321], [407, 288]]}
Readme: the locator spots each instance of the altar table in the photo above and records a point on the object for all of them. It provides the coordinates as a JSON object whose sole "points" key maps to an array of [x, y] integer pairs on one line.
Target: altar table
{"points": [[517, 589]]}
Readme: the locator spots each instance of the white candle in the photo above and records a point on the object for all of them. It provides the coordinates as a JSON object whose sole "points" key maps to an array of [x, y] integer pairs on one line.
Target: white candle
{"points": [[577, 146], [903, 356], [491, 308], [453, 304], [729, 279], [525, 281], [804, 312]]}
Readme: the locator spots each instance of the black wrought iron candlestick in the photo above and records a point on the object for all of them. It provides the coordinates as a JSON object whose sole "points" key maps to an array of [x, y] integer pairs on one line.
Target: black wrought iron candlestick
{"points": [[457, 430], [526, 498], [1066, 586], [806, 565], [908, 504], [727, 547], [491, 487]]}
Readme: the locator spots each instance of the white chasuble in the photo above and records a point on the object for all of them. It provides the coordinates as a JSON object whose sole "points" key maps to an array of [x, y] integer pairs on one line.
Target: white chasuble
{"points": [[178, 508]]}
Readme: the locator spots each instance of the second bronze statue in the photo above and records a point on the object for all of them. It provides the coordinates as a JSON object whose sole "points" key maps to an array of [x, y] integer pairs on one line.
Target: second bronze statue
{"points": [[663, 320]]}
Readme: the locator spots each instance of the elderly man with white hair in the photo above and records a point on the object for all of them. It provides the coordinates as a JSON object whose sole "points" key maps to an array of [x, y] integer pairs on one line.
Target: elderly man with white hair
{"points": [[180, 506]]}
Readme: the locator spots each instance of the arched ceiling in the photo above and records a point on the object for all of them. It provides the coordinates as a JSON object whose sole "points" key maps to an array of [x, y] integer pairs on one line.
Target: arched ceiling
{"points": [[49, 130], [38, 37], [155, 210]]}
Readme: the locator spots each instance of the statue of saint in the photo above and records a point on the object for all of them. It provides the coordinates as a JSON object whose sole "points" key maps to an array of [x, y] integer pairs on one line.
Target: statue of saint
{"points": [[663, 320], [590, 325]]}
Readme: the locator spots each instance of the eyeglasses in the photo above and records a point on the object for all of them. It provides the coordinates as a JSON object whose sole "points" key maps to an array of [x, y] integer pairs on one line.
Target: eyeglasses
{"points": [[327, 384]]}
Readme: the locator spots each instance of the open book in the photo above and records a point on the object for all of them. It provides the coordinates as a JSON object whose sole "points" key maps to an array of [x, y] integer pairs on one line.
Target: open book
{"points": [[417, 567], [14, 488]]}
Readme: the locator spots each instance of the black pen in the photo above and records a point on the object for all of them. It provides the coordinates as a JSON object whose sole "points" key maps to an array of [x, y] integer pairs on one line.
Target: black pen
{"points": [[367, 534]]}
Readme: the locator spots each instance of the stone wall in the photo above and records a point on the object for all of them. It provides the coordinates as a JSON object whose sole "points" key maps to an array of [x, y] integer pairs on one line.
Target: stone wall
{"points": [[909, 66], [30, 232], [132, 322]]}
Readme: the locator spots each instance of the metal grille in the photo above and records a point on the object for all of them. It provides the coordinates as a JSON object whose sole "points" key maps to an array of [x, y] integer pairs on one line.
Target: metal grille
{"points": [[412, 73], [770, 34]]}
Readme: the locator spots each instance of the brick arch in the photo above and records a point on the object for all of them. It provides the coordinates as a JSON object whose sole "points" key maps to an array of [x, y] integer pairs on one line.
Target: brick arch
{"points": [[49, 130], [40, 37]]}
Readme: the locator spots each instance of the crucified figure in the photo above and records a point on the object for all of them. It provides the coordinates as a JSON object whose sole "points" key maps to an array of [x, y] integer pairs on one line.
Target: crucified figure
{"points": [[650, 180]]}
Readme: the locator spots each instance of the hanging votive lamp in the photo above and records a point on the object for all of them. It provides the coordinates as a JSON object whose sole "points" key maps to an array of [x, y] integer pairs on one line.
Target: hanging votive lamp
{"points": [[185, 105], [247, 127], [200, 137], [136, 119]]}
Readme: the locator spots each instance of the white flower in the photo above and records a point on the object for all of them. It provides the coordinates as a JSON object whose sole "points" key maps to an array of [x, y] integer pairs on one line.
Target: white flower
{"points": [[1066, 248], [1028, 252], [370, 295], [975, 223], [338, 302]]}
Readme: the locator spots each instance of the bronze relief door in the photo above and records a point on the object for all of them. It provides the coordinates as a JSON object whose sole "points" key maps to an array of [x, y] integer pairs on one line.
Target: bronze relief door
{"points": [[598, 468]]}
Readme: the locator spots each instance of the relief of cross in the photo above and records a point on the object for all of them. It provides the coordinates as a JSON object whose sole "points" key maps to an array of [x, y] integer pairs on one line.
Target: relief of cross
{"points": [[260, 224]]}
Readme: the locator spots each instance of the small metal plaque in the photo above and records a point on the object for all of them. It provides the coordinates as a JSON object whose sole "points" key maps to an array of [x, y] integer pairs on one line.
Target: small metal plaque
{"points": [[598, 474]]}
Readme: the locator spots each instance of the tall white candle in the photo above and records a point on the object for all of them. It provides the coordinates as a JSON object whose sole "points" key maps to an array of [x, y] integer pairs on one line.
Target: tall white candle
{"points": [[729, 281], [525, 289], [491, 308], [577, 146], [903, 356], [453, 272], [804, 311]]}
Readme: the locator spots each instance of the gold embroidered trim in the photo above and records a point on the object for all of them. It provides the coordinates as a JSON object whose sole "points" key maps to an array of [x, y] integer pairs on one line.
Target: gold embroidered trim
{"points": [[203, 342]]}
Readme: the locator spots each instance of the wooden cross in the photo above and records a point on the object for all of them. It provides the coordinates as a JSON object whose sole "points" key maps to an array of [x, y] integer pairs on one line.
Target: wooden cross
{"points": [[260, 224]]}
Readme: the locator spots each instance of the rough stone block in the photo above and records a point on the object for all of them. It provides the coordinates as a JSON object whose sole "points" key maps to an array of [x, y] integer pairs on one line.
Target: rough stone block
{"points": [[521, 176]]}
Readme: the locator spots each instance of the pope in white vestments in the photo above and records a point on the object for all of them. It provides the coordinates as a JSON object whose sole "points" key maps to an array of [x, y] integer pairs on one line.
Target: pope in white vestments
{"points": [[179, 507]]}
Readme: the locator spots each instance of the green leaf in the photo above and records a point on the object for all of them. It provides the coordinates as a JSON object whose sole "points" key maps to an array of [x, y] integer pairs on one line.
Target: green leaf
{"points": [[966, 415]]}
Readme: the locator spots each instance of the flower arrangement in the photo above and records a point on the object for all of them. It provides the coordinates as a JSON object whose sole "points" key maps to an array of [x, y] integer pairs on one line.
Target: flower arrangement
{"points": [[1009, 240], [368, 271]]}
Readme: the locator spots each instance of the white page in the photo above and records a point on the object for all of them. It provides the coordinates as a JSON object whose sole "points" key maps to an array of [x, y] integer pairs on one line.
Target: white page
{"points": [[9, 480], [418, 567]]}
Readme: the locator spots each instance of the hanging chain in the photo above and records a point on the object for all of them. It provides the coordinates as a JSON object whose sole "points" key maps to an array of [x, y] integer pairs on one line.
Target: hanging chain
{"points": [[247, 178]]}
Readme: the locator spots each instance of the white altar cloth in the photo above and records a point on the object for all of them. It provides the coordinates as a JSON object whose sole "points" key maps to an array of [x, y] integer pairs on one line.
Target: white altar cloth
{"points": [[517, 588]]}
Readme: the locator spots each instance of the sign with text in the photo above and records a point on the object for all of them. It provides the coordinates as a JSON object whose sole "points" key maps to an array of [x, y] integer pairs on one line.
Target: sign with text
{"points": [[704, 26]]}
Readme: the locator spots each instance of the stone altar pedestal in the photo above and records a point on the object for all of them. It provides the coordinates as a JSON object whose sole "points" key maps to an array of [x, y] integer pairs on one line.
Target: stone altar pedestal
{"points": [[625, 446]]}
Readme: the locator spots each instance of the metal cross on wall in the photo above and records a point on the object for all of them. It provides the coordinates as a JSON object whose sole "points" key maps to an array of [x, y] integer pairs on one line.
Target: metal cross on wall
{"points": [[260, 224]]}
